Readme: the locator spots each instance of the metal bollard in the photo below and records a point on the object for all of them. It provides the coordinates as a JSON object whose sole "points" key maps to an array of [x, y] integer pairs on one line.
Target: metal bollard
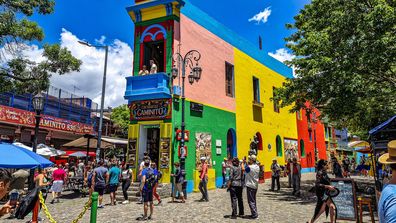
{"points": [[94, 207]]}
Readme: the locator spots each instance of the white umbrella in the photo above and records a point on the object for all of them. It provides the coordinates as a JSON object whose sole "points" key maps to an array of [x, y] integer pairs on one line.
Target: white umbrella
{"points": [[49, 151], [42, 150]]}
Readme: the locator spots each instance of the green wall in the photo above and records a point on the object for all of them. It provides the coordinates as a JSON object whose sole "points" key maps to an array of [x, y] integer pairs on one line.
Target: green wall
{"points": [[214, 121]]}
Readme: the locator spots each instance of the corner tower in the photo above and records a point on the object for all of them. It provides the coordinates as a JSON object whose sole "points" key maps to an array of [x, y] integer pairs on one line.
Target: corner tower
{"points": [[156, 32]]}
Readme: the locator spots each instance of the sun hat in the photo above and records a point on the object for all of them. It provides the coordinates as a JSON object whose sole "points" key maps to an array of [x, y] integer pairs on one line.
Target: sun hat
{"points": [[252, 157], [225, 158], [390, 156], [274, 159], [333, 193]]}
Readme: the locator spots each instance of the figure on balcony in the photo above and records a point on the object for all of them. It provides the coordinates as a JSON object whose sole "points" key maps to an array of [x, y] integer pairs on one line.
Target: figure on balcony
{"points": [[143, 71], [153, 69]]}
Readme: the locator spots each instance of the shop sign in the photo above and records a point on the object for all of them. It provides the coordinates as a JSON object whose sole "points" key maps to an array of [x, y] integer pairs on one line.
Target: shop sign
{"points": [[196, 107], [27, 118], [151, 110]]}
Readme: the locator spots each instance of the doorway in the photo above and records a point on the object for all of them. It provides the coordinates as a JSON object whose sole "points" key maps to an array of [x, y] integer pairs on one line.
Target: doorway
{"points": [[149, 139], [231, 144], [154, 51]]}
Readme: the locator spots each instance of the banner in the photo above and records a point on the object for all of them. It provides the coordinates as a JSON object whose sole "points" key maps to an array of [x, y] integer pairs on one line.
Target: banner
{"points": [[203, 142], [151, 110], [27, 118], [291, 149]]}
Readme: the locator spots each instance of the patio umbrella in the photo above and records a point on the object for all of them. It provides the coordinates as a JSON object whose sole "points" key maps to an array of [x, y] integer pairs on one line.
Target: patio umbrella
{"points": [[45, 150], [78, 154], [16, 157]]}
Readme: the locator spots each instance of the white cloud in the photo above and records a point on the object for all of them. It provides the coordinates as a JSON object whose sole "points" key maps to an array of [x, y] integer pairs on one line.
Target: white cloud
{"points": [[88, 82], [261, 16], [282, 55]]}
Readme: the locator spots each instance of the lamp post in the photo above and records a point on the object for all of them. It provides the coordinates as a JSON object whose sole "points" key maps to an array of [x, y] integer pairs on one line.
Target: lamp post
{"points": [[189, 61], [38, 105], [99, 145]]}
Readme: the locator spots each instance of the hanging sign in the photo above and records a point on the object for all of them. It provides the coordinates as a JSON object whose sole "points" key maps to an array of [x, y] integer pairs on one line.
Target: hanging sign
{"points": [[151, 110], [27, 118], [179, 135]]}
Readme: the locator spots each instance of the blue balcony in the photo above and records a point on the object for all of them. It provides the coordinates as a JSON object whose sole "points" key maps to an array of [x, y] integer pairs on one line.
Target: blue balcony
{"points": [[152, 86]]}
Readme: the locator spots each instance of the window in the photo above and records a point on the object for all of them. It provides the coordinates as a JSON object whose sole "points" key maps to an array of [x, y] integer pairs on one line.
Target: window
{"points": [[299, 117], [276, 103], [154, 51], [278, 146], [302, 148], [310, 136], [229, 77], [256, 90]]}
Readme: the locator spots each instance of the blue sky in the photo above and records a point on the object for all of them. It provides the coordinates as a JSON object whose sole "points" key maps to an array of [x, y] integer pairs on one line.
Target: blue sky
{"points": [[107, 21], [91, 19]]}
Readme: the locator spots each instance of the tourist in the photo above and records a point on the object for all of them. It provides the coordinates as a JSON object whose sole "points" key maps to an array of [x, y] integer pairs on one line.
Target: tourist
{"points": [[59, 176], [289, 172], [178, 186], [88, 173], [345, 164], [153, 68], [296, 177], [42, 181], [99, 181], [275, 168], [80, 168], [251, 181], [127, 179], [143, 71], [235, 189], [337, 170], [224, 172], [114, 177], [5, 180], [387, 202], [141, 168], [322, 185], [146, 189], [203, 180], [158, 175]]}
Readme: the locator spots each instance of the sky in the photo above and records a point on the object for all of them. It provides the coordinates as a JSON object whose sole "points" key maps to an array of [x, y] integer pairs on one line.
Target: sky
{"points": [[107, 22]]}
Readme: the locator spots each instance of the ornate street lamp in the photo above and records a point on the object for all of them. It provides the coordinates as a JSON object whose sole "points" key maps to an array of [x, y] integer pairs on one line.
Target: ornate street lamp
{"points": [[38, 106], [189, 61]]}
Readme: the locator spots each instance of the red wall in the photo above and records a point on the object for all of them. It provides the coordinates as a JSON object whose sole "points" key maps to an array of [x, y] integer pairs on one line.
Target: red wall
{"points": [[303, 134]]}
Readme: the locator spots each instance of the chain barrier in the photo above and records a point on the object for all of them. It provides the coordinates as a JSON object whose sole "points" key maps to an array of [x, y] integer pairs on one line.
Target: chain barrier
{"points": [[45, 208], [52, 220]]}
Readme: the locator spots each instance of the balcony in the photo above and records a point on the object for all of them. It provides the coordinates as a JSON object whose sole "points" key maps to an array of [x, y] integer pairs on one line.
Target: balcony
{"points": [[152, 86]]}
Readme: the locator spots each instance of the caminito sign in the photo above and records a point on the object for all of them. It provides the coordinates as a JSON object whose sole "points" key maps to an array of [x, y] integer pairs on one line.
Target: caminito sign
{"points": [[151, 109], [26, 118]]}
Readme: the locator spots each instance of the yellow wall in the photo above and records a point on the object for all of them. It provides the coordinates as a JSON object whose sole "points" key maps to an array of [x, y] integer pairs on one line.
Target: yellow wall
{"points": [[165, 132], [273, 124]]}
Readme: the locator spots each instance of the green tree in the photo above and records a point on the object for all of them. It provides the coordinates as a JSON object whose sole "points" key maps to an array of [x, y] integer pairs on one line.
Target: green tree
{"points": [[120, 116], [345, 62], [16, 31]]}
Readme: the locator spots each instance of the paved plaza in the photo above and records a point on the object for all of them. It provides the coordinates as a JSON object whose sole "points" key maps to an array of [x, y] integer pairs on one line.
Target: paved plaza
{"points": [[272, 207]]}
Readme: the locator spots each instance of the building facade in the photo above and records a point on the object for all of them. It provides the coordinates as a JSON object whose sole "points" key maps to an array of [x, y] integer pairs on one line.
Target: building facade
{"points": [[228, 108]]}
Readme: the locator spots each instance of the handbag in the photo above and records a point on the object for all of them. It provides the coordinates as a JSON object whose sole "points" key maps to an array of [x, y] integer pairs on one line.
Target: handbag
{"points": [[27, 203]]}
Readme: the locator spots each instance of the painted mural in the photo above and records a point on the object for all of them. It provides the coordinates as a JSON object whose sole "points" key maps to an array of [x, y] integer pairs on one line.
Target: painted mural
{"points": [[291, 149], [203, 143]]}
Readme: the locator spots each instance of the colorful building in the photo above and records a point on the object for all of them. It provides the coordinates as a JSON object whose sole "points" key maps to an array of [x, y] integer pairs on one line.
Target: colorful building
{"points": [[225, 110], [311, 138]]}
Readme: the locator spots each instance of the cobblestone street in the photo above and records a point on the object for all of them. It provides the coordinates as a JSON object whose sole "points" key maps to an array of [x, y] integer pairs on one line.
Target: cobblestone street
{"points": [[272, 207]]}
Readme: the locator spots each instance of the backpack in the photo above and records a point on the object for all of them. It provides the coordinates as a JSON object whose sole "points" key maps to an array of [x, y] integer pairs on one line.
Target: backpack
{"points": [[159, 177], [151, 179], [27, 203]]}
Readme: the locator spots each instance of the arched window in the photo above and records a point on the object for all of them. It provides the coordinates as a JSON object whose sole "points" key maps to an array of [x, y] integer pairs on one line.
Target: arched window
{"points": [[279, 151], [302, 148], [260, 141]]}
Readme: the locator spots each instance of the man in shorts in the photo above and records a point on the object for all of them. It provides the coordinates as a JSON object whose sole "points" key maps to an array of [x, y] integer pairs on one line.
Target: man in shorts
{"points": [[99, 177], [146, 189], [113, 179]]}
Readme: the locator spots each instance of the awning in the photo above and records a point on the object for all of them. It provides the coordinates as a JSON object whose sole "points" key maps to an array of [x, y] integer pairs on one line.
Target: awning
{"points": [[358, 144], [106, 143]]}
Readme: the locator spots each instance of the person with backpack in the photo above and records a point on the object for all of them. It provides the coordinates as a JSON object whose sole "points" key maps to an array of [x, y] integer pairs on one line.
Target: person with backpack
{"points": [[146, 189], [127, 179], [158, 175], [178, 185]]}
